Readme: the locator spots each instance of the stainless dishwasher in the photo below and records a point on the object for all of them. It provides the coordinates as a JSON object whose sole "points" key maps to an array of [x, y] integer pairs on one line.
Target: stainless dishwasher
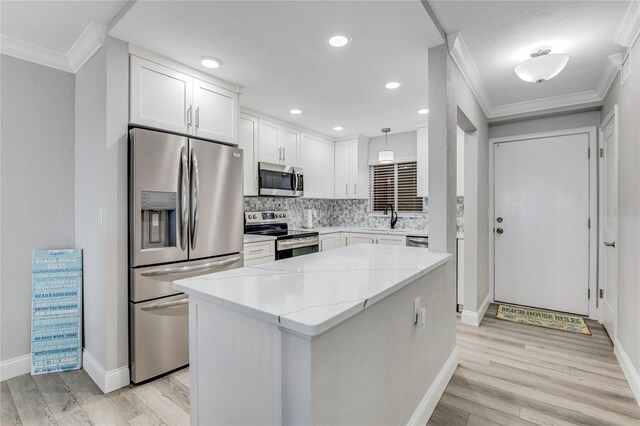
{"points": [[417, 241]]}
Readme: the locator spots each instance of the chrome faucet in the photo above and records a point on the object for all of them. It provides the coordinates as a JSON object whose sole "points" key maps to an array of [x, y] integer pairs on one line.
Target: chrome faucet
{"points": [[394, 219]]}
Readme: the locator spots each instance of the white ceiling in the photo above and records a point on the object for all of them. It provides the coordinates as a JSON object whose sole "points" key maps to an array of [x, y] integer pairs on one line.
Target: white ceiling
{"points": [[54, 25], [500, 35], [278, 52]]}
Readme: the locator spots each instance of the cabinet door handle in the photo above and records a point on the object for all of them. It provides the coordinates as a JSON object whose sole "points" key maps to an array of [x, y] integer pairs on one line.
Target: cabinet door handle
{"points": [[280, 153], [189, 116], [355, 190], [197, 117], [284, 154], [321, 245], [346, 189]]}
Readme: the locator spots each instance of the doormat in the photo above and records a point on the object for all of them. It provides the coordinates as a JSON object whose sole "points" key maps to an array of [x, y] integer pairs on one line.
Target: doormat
{"points": [[554, 320]]}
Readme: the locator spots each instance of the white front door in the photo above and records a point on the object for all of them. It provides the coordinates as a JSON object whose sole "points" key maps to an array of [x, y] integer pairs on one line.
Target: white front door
{"points": [[609, 223], [541, 223]]}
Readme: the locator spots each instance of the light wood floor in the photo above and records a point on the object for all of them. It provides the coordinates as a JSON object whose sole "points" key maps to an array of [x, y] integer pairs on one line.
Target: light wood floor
{"points": [[516, 374], [509, 374]]}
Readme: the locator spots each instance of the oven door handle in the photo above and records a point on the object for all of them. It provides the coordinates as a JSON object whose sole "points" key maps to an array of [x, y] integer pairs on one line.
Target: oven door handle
{"points": [[297, 243]]}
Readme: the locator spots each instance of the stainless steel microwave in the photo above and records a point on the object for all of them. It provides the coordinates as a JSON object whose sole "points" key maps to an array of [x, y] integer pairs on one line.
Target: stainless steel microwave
{"points": [[280, 181]]}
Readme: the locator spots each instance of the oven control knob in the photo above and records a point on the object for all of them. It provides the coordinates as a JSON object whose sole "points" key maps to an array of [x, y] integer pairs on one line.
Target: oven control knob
{"points": [[253, 216], [284, 215]]}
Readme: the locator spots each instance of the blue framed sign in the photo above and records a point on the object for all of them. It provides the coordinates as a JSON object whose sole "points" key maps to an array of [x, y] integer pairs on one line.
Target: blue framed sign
{"points": [[56, 310]]}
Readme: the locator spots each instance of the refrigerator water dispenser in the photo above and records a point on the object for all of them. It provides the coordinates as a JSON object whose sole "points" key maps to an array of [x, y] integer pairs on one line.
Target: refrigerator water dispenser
{"points": [[158, 219]]}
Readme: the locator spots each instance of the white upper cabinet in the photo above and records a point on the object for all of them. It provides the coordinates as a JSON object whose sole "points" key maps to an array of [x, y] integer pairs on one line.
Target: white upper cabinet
{"points": [[422, 151], [352, 168], [279, 144], [290, 142], [166, 99], [215, 112], [248, 142], [160, 97], [317, 163]]}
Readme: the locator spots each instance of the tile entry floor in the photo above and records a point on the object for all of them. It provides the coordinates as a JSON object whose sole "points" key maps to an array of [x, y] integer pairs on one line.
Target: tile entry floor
{"points": [[509, 374]]}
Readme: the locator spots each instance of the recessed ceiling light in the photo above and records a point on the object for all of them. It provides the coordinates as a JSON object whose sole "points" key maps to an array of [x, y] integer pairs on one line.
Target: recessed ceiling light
{"points": [[296, 111], [423, 111], [339, 40], [392, 85], [338, 128], [210, 62]]}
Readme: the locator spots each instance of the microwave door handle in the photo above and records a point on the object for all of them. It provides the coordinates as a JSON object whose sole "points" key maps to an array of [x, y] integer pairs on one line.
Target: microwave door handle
{"points": [[295, 190], [195, 199], [184, 200]]}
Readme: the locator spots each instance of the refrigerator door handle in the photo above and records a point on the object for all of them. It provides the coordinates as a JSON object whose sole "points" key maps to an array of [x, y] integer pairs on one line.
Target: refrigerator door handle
{"points": [[195, 199], [184, 200], [163, 305], [188, 269]]}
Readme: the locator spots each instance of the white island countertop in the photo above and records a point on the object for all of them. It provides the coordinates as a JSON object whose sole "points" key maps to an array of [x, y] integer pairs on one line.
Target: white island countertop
{"points": [[311, 294]]}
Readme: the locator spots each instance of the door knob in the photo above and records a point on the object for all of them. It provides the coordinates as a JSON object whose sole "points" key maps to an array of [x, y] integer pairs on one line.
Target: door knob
{"points": [[611, 244], [499, 220], [499, 231]]}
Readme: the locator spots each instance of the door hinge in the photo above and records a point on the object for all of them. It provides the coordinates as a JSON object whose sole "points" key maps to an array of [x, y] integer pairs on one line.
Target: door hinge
{"points": [[588, 293], [601, 152], [601, 293]]}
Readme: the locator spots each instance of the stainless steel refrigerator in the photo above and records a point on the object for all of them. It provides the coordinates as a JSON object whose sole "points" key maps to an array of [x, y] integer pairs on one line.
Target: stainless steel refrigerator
{"points": [[185, 219]]}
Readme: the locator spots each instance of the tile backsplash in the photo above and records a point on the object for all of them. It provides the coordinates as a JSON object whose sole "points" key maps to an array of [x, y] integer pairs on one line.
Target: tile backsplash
{"points": [[340, 212]]}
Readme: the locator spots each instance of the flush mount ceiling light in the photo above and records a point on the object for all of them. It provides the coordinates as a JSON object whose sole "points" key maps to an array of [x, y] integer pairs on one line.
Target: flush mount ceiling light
{"points": [[295, 111], [423, 111], [392, 85], [385, 156], [542, 66], [210, 62], [338, 128], [339, 40]]}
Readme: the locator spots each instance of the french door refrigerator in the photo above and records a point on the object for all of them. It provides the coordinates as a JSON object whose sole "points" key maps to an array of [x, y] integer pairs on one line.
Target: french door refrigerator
{"points": [[185, 219]]}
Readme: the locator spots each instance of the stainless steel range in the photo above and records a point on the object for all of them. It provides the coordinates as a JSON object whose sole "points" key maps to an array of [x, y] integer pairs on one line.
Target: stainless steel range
{"points": [[289, 243]]}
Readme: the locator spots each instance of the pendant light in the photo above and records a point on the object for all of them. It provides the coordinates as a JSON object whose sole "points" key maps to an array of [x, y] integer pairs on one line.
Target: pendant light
{"points": [[542, 66], [385, 156]]}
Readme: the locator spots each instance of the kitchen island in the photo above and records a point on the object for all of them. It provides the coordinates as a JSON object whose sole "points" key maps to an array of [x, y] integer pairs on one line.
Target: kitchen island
{"points": [[358, 335]]}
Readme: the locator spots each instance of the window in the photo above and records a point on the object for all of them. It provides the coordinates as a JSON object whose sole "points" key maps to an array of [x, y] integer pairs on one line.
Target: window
{"points": [[395, 184]]}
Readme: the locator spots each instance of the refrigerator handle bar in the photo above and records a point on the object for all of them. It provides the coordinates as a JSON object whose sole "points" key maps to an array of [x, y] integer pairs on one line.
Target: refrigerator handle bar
{"points": [[195, 198], [184, 200], [163, 305], [194, 268]]}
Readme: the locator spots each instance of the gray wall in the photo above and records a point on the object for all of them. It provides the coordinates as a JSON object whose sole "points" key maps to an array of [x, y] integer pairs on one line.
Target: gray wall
{"points": [[402, 144], [545, 124], [627, 98], [37, 185]]}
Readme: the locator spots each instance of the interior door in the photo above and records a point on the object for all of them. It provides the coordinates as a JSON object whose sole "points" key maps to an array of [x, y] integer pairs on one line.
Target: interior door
{"points": [[215, 112], [542, 223], [216, 203], [609, 225]]}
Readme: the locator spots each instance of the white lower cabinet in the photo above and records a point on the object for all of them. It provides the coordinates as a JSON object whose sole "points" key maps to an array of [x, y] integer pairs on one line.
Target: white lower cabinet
{"points": [[259, 252], [384, 239], [330, 241]]}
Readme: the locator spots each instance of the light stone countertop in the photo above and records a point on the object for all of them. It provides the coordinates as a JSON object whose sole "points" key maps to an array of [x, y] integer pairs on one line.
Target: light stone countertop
{"points": [[313, 293], [254, 238], [323, 230]]}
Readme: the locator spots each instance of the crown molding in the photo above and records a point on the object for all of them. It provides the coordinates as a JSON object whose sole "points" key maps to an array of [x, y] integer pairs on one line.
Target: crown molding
{"points": [[630, 29], [469, 70], [583, 99], [608, 74], [88, 43], [30, 52]]}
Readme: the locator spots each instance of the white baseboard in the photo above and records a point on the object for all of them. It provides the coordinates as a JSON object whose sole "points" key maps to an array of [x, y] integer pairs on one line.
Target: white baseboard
{"points": [[632, 375], [15, 367], [107, 381], [475, 318], [430, 400]]}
